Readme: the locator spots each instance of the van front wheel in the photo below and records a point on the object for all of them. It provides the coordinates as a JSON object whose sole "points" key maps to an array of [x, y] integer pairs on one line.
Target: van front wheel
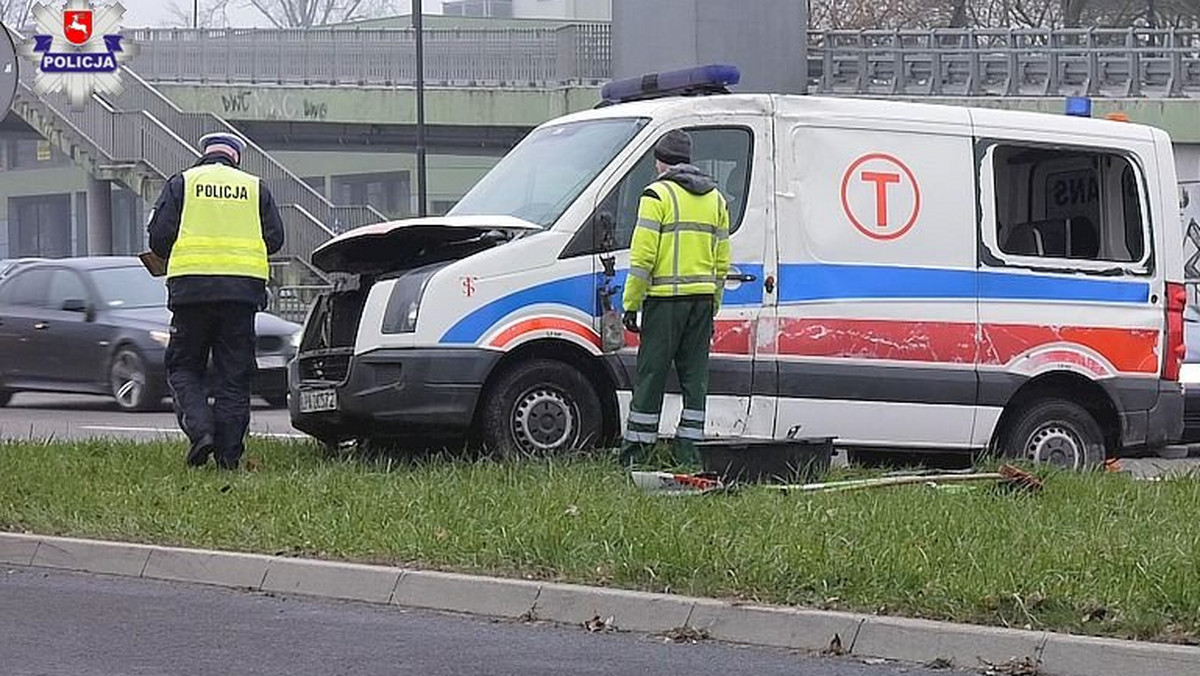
{"points": [[538, 408], [1055, 432]]}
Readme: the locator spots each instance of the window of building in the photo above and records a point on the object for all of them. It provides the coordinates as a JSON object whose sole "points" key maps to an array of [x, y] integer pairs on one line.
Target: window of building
{"points": [[316, 183], [32, 153], [496, 9], [387, 192], [1067, 204], [40, 226]]}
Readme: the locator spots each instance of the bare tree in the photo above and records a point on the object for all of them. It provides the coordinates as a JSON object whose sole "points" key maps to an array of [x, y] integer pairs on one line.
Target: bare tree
{"points": [[211, 14], [309, 13], [921, 14], [15, 13]]}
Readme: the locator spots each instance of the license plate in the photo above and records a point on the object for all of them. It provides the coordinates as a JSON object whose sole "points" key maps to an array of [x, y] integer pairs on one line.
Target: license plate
{"points": [[274, 361], [312, 401]]}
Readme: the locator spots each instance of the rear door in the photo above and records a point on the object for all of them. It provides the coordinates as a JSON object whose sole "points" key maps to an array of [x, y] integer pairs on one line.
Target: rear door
{"points": [[22, 314], [1067, 276], [76, 348], [735, 150]]}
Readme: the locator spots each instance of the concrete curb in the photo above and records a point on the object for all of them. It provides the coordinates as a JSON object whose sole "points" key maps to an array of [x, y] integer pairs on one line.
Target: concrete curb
{"points": [[870, 636]]}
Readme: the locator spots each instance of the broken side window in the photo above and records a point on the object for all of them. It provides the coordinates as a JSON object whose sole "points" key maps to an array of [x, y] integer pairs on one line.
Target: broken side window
{"points": [[1067, 204]]}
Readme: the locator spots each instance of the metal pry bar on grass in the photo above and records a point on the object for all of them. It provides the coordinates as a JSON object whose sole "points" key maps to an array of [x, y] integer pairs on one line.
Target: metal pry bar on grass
{"points": [[1007, 475]]}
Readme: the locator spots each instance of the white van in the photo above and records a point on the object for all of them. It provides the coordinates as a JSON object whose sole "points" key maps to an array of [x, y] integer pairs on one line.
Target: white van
{"points": [[905, 276]]}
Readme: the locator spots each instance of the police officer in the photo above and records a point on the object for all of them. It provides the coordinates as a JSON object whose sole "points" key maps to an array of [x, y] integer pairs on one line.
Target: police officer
{"points": [[677, 265], [215, 225]]}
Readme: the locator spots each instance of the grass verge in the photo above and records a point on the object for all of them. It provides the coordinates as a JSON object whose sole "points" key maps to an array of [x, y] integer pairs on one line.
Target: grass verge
{"points": [[1096, 554]]}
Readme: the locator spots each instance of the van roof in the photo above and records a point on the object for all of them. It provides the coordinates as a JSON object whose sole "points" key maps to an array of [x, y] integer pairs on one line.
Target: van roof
{"points": [[856, 107]]}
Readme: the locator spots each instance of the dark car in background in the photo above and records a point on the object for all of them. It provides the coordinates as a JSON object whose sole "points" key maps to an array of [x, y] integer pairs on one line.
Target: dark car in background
{"points": [[100, 325]]}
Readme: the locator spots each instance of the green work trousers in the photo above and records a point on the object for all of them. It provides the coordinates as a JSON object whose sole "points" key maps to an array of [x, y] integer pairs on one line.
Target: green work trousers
{"points": [[674, 331]]}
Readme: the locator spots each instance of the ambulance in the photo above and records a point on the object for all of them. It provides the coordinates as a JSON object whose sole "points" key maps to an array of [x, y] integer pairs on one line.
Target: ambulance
{"points": [[906, 277]]}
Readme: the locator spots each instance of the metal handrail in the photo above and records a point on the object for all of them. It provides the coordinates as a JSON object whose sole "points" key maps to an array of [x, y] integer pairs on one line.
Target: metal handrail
{"points": [[974, 62], [1007, 62]]}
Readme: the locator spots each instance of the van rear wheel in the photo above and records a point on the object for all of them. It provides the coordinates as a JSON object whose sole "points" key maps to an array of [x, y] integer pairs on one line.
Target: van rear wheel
{"points": [[1054, 432], [540, 407]]}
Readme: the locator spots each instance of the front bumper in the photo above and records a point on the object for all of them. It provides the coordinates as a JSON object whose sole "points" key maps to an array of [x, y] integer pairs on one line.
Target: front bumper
{"points": [[396, 392]]}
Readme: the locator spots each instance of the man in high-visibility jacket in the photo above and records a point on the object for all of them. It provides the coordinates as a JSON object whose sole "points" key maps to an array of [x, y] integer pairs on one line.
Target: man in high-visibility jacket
{"points": [[215, 225], [677, 265]]}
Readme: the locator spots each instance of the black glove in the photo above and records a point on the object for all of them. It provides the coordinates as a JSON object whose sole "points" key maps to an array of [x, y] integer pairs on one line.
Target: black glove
{"points": [[630, 320]]}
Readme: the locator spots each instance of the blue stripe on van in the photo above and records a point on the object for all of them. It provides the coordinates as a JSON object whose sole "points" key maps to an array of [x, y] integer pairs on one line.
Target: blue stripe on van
{"points": [[578, 292], [819, 282]]}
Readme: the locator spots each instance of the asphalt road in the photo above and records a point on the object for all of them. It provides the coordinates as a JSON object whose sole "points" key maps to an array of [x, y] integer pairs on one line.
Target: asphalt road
{"points": [[55, 623], [41, 416]]}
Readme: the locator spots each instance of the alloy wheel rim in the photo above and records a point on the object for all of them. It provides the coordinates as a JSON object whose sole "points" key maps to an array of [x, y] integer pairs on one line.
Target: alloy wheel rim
{"points": [[128, 380]]}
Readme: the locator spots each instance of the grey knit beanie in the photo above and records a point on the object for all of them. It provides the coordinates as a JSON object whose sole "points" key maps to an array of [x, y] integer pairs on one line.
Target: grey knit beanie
{"points": [[674, 148]]}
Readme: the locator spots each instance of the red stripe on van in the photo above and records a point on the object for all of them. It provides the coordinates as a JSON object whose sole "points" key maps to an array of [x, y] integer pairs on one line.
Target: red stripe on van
{"points": [[545, 324], [1129, 350], [730, 337]]}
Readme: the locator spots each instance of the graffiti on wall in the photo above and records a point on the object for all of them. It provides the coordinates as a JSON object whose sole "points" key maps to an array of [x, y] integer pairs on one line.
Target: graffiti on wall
{"points": [[273, 105]]}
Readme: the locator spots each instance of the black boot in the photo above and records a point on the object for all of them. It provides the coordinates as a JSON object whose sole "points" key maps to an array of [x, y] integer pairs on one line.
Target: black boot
{"points": [[201, 448]]}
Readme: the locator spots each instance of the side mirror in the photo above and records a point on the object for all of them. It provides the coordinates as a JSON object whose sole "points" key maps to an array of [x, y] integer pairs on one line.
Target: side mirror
{"points": [[78, 305]]}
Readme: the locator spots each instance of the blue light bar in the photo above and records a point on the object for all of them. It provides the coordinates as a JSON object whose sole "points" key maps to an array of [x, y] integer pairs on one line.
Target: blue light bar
{"points": [[700, 79], [1079, 106]]}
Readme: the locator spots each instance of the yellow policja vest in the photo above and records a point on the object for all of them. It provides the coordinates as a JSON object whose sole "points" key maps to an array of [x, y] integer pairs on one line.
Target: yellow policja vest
{"points": [[220, 231]]}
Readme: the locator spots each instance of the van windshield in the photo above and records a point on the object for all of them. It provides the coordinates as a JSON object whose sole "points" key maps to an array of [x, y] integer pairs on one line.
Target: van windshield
{"points": [[546, 171]]}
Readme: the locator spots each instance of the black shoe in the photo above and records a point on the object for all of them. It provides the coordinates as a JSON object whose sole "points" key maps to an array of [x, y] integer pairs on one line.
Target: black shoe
{"points": [[201, 448]]}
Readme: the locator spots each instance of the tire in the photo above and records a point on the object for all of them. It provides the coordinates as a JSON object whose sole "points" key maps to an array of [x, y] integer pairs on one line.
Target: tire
{"points": [[129, 382], [5, 397], [1054, 432], [276, 400], [540, 408]]}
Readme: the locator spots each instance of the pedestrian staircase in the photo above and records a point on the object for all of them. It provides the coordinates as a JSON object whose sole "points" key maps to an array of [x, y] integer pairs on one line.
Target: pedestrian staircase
{"points": [[140, 138]]}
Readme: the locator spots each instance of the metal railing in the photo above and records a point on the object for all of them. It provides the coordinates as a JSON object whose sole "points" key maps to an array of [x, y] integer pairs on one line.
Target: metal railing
{"points": [[1121, 62], [519, 57], [969, 62]]}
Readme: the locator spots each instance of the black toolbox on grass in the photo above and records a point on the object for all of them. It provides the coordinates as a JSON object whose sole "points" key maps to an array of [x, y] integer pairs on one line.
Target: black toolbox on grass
{"points": [[794, 460]]}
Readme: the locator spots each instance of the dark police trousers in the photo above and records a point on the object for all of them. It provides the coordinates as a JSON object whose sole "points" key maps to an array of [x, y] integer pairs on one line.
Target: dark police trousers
{"points": [[226, 331]]}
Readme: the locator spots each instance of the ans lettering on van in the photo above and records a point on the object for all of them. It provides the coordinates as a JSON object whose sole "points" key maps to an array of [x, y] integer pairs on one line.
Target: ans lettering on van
{"points": [[904, 276]]}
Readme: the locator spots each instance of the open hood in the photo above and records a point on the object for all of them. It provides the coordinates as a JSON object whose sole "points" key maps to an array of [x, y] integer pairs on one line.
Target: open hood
{"points": [[400, 245]]}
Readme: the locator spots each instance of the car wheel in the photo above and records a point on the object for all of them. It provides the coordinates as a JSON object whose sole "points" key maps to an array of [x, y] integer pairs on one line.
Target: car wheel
{"points": [[276, 400], [538, 408], [1054, 432], [5, 397], [129, 382]]}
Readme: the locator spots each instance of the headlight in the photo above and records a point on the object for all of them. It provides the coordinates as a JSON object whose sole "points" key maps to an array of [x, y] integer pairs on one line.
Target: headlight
{"points": [[295, 339], [160, 337], [1189, 374], [404, 305]]}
